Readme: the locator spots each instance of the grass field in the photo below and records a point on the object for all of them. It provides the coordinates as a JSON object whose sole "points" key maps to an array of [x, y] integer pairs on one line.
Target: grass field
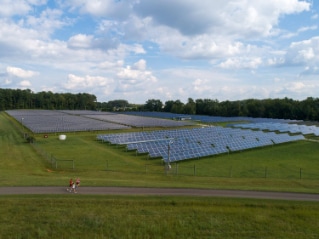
{"points": [[155, 217], [287, 167]]}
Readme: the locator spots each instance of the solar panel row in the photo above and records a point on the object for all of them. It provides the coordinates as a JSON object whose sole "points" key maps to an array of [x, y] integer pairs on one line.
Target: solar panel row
{"points": [[139, 121], [46, 121], [282, 127], [49, 121], [175, 145], [206, 118]]}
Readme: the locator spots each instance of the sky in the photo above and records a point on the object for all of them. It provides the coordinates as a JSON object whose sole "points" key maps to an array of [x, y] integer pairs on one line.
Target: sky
{"points": [[138, 50]]}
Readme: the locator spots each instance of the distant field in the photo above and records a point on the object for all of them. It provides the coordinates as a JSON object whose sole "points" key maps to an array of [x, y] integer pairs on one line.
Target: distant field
{"points": [[287, 167]]}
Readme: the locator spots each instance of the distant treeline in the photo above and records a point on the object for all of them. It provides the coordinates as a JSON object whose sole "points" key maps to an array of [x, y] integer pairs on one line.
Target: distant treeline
{"points": [[286, 108], [307, 109], [26, 99]]}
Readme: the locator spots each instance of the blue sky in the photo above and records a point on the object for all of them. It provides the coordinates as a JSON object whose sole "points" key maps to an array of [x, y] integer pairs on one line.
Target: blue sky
{"points": [[169, 50]]}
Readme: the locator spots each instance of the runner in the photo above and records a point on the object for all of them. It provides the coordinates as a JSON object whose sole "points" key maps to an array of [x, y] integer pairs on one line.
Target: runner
{"points": [[71, 184], [77, 184], [73, 188]]}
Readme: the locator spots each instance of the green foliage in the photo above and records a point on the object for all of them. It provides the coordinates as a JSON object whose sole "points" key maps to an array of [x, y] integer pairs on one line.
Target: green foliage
{"points": [[30, 138], [153, 105], [114, 105], [268, 108], [26, 99]]}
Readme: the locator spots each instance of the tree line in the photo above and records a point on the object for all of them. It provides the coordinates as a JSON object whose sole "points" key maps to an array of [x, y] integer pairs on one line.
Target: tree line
{"points": [[285, 108], [26, 99]]}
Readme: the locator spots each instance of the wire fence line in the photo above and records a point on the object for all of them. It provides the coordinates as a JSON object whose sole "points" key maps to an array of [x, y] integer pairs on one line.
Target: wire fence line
{"points": [[195, 170], [52, 160], [232, 171]]}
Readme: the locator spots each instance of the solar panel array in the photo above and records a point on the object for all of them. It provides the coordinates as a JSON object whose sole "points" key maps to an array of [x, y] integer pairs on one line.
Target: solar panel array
{"points": [[51, 121], [48, 121], [139, 121], [206, 118], [176, 145], [282, 127]]}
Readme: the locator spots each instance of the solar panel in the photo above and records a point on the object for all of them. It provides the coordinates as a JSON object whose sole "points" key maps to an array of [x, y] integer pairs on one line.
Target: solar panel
{"points": [[200, 142]]}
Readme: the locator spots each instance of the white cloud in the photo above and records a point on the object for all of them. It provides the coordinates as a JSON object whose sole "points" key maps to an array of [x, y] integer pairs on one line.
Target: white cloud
{"points": [[201, 85], [300, 90], [304, 52], [25, 84], [80, 41], [232, 17], [12, 8], [135, 76], [299, 31], [18, 72], [109, 65], [117, 9], [136, 80], [240, 62], [86, 82], [296, 86], [140, 65], [47, 22]]}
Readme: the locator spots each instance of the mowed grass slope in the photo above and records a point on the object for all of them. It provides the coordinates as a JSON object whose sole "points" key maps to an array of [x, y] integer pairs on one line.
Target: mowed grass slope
{"points": [[18, 161], [115, 217]]}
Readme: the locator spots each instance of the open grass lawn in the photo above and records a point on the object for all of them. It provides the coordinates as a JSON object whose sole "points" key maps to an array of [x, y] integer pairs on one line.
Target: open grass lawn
{"points": [[155, 217], [287, 167]]}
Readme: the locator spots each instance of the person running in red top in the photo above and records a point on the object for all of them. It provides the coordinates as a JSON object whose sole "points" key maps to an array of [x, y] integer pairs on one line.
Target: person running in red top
{"points": [[71, 183]]}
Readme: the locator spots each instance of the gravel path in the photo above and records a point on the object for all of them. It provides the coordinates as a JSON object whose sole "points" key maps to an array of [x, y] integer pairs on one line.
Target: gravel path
{"points": [[161, 192]]}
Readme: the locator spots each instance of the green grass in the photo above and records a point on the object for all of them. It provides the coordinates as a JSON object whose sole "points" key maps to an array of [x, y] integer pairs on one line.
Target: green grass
{"points": [[155, 217], [286, 167], [79, 216]]}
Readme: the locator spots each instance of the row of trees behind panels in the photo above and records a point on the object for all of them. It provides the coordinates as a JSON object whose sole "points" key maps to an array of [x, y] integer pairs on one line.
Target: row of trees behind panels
{"points": [[285, 108]]}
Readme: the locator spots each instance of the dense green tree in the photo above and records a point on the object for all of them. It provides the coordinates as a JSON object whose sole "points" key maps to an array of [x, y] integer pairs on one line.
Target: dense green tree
{"points": [[207, 107], [26, 99], [310, 109], [190, 107], [116, 105], [178, 107], [168, 106], [153, 105]]}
